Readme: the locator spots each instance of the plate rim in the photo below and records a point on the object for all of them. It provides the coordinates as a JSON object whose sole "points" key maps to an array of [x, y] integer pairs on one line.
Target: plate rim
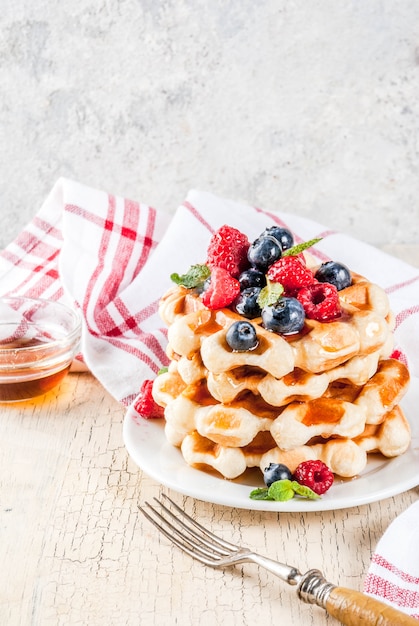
{"points": [[217, 496]]}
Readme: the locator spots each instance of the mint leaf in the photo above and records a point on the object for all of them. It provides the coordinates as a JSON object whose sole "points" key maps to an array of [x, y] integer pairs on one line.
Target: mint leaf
{"points": [[260, 494], [195, 276], [300, 247], [270, 294], [281, 490], [163, 370], [302, 490]]}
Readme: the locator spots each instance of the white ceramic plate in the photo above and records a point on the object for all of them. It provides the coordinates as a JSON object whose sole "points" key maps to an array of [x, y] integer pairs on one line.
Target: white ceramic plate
{"points": [[146, 444]]}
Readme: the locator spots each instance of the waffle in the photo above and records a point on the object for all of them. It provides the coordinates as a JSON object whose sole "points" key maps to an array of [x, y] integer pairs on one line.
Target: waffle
{"points": [[331, 392]]}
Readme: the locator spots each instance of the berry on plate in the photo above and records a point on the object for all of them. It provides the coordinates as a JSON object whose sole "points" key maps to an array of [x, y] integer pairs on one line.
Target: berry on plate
{"points": [[320, 301], [222, 289], [274, 472], [282, 235], [285, 317], [315, 475], [291, 273], [334, 273], [264, 251], [228, 249], [252, 278], [246, 303], [145, 404], [241, 336]]}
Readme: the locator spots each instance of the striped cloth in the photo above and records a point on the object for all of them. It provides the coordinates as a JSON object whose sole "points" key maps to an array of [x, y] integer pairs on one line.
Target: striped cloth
{"points": [[111, 258], [394, 571]]}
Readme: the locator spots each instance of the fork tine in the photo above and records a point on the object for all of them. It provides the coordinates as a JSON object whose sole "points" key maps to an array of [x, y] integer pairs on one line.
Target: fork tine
{"points": [[194, 550], [187, 536], [231, 547], [171, 537], [205, 546]]}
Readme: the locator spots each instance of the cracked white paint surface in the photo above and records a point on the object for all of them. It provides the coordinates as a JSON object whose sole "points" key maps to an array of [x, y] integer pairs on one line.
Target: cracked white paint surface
{"points": [[75, 551], [310, 107]]}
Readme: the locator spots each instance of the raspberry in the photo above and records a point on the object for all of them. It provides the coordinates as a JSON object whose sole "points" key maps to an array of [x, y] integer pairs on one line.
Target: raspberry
{"points": [[301, 257], [291, 273], [145, 405], [396, 354], [314, 474], [222, 290], [320, 301], [228, 249]]}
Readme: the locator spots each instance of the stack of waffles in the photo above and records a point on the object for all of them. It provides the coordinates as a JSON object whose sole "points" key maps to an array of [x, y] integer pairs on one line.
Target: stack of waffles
{"points": [[330, 393]]}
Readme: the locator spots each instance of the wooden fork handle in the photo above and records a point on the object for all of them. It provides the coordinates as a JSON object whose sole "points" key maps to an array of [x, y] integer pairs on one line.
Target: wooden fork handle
{"points": [[350, 607], [353, 608]]}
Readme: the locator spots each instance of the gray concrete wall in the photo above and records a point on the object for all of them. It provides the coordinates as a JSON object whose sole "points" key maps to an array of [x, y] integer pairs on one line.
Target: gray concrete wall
{"points": [[307, 106]]}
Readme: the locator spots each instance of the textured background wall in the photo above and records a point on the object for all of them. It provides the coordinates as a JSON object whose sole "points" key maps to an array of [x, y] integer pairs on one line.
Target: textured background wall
{"points": [[307, 106]]}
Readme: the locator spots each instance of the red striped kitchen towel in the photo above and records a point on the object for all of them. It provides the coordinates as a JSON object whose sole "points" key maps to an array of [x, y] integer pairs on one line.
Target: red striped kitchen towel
{"points": [[111, 258], [394, 571]]}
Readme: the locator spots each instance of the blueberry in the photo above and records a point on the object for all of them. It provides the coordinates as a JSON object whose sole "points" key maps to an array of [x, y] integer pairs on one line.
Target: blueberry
{"points": [[274, 472], [334, 273], [285, 316], [246, 303], [283, 235], [241, 336], [263, 252], [252, 278]]}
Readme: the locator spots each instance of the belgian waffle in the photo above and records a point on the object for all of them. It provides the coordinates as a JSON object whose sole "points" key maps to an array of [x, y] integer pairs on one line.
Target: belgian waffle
{"points": [[330, 392]]}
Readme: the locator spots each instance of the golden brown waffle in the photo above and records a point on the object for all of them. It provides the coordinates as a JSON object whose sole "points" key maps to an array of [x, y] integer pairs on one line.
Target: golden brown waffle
{"points": [[330, 393]]}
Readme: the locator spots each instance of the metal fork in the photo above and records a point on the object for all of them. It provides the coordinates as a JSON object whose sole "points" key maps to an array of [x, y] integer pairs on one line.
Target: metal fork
{"points": [[349, 606]]}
